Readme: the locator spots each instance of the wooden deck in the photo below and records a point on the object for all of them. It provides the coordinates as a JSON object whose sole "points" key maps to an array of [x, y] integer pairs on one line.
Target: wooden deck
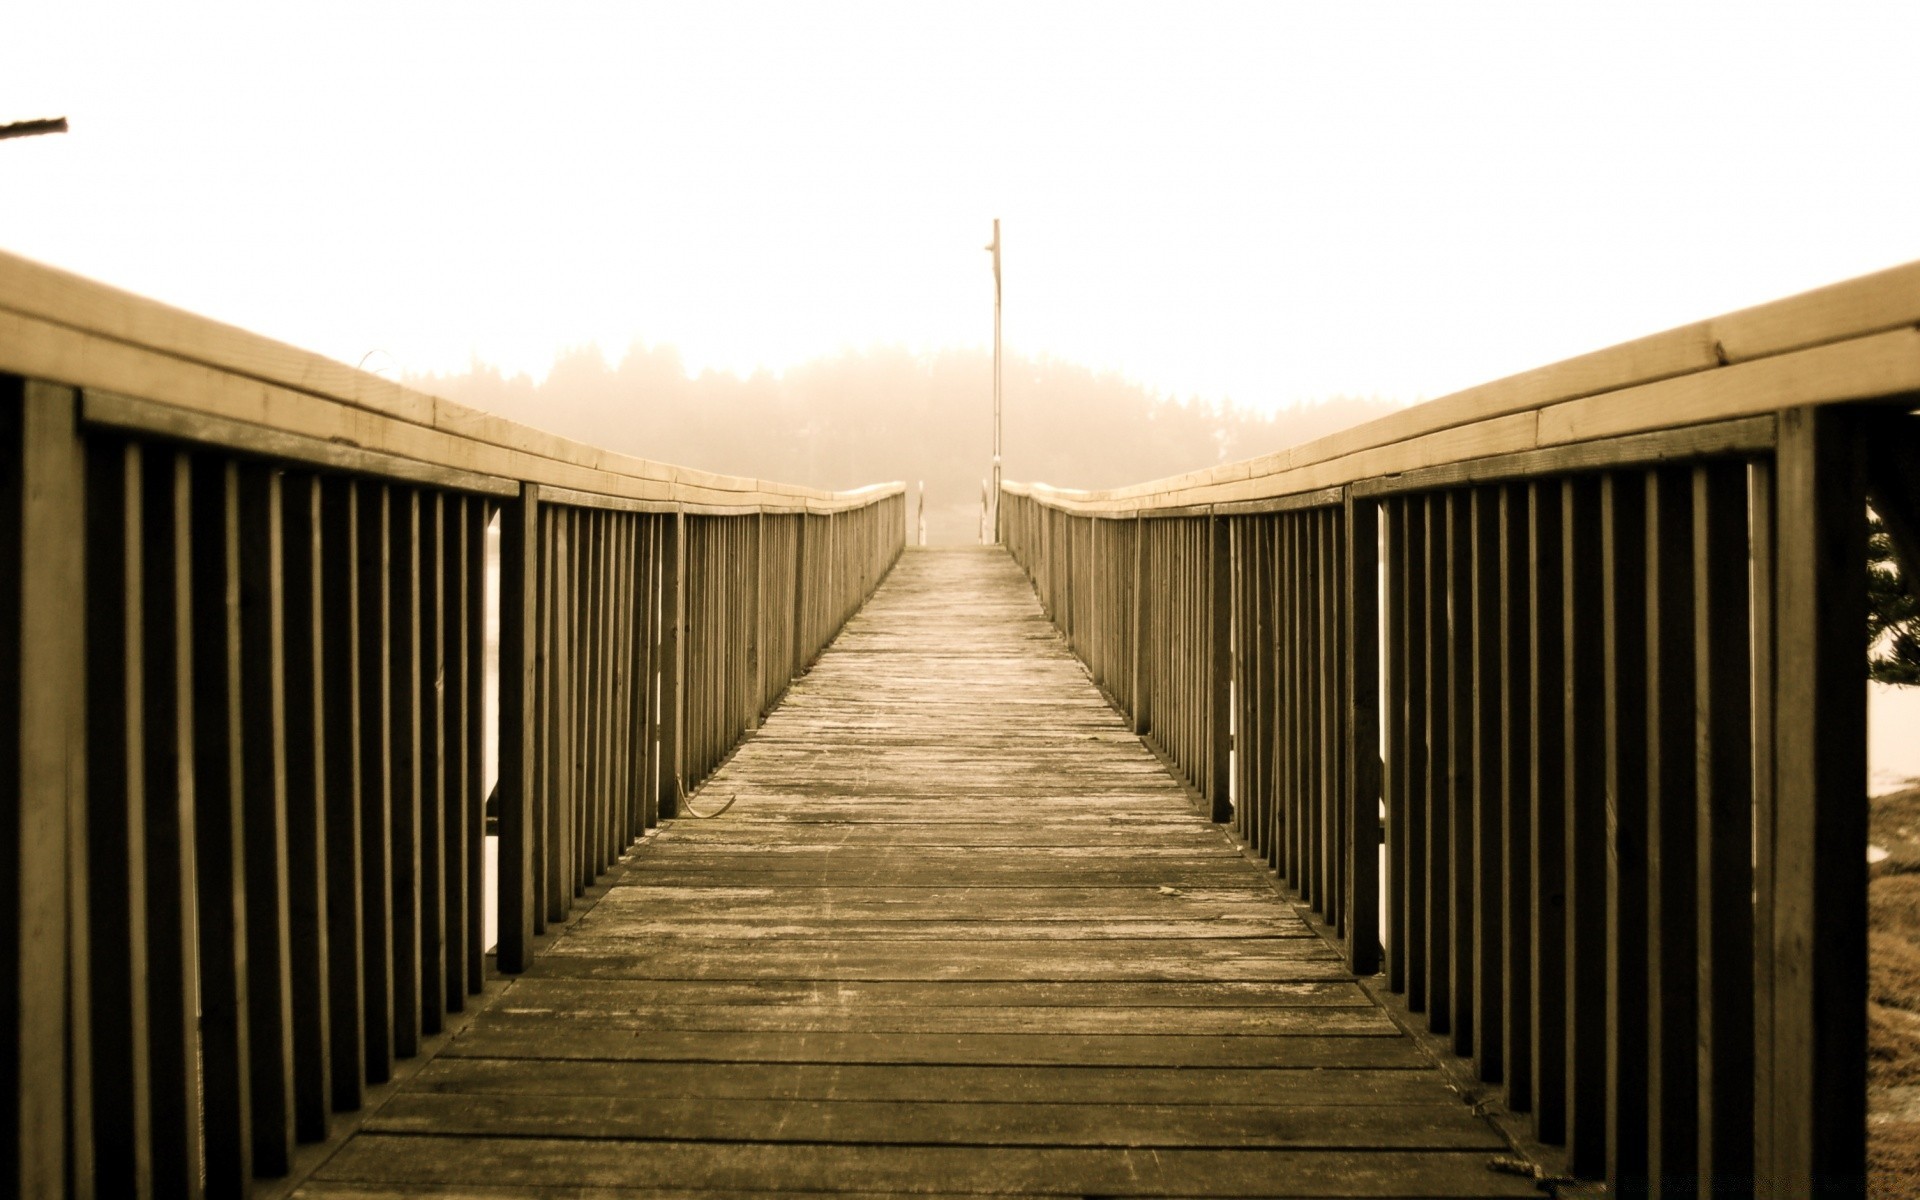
{"points": [[960, 933]]}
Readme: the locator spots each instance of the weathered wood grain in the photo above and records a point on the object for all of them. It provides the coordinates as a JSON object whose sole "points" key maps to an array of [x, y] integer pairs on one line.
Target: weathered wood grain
{"points": [[959, 930]]}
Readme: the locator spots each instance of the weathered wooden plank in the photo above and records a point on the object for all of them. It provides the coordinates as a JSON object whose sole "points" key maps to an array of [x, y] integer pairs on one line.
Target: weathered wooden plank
{"points": [[1196, 1086], [1227, 1126], [724, 1166]]}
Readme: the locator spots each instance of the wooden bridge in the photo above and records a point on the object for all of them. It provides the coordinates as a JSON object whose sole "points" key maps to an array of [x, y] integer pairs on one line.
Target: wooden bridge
{"points": [[1468, 797]]}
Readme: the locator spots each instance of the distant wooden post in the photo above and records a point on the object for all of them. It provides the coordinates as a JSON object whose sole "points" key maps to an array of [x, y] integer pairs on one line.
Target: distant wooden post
{"points": [[518, 714]]}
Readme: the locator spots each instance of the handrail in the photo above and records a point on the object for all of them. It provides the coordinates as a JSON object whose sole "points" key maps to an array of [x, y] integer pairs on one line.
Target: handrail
{"points": [[1854, 340], [1603, 620], [244, 718], [58, 326]]}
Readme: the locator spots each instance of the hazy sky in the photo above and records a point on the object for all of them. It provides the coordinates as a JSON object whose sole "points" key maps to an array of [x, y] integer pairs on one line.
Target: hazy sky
{"points": [[1263, 202]]}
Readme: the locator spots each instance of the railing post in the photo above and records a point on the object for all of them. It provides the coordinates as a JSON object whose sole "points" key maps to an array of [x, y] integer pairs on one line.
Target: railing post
{"points": [[518, 713], [1815, 1067], [1219, 666], [1136, 718], [1362, 740], [43, 789], [756, 655], [673, 599]]}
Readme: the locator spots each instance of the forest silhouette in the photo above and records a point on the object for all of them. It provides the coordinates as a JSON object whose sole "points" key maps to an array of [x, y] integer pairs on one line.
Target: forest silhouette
{"points": [[867, 416]]}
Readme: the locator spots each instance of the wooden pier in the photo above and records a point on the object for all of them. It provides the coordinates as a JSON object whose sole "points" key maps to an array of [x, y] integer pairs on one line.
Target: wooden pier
{"points": [[960, 931]]}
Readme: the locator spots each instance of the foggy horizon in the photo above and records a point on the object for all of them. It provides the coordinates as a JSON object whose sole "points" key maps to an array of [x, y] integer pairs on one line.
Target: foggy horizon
{"points": [[867, 416]]}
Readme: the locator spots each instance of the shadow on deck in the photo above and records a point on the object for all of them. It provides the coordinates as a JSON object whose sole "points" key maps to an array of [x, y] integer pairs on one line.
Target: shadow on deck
{"points": [[961, 933]]}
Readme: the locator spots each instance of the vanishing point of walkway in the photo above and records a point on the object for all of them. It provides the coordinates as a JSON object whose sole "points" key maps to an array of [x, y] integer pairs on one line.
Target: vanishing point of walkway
{"points": [[960, 933]]}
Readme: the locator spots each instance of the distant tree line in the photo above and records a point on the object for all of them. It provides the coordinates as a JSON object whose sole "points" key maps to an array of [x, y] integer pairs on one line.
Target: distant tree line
{"points": [[868, 416]]}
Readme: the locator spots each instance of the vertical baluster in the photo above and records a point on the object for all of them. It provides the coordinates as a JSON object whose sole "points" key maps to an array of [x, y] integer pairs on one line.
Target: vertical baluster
{"points": [[341, 738], [1361, 660], [481, 515], [1516, 863], [1725, 674], [1438, 790], [1585, 830], [1623, 539], [116, 819], [403, 714], [1413, 850], [431, 689], [457, 607], [1217, 675], [219, 790], [1671, 963], [167, 700], [306, 564], [376, 819], [1399, 750], [263, 806], [1547, 785], [1763, 532], [1486, 793], [519, 577], [672, 659]]}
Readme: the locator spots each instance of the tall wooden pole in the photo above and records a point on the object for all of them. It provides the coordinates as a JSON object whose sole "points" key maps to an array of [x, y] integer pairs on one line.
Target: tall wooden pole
{"points": [[993, 497]]}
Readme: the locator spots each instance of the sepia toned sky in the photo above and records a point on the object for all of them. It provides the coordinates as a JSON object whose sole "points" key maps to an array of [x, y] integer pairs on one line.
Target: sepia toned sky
{"points": [[1262, 202]]}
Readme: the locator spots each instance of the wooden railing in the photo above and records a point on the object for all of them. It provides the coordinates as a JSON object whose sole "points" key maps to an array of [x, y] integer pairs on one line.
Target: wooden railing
{"points": [[1578, 656], [245, 718]]}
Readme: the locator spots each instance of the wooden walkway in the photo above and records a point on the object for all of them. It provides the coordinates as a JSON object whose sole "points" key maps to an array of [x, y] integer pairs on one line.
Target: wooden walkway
{"points": [[960, 933]]}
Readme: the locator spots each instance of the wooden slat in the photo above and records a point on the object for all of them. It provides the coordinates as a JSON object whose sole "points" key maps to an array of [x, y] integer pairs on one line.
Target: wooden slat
{"points": [[430, 688], [1584, 832], [116, 820], [518, 897], [1515, 862], [1672, 963], [1547, 813], [167, 674], [269, 958], [1395, 781], [1623, 534], [306, 564], [220, 812], [1412, 852], [1487, 796], [1438, 790], [340, 531]]}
